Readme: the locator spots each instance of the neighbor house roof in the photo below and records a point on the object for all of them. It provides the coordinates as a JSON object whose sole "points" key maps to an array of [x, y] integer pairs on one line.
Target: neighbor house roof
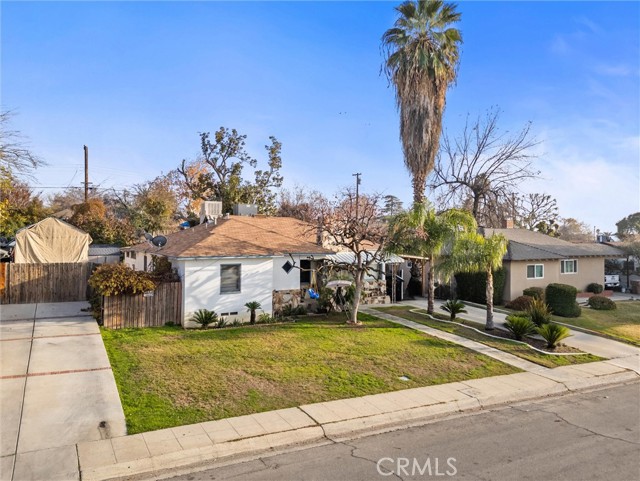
{"points": [[239, 236], [526, 245], [101, 250]]}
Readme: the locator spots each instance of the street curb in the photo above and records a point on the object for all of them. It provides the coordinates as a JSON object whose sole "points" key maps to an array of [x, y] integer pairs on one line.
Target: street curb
{"points": [[330, 422]]}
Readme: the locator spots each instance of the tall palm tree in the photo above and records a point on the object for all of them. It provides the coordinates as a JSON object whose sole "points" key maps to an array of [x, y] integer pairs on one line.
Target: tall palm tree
{"points": [[421, 60], [475, 253], [426, 233]]}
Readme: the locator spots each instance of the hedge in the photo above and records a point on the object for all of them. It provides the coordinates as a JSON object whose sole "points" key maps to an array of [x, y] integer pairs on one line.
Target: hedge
{"points": [[601, 303], [561, 299], [472, 286], [535, 292]]}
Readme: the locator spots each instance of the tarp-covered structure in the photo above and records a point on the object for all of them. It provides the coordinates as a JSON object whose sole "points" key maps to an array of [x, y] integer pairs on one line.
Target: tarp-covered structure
{"points": [[49, 241]]}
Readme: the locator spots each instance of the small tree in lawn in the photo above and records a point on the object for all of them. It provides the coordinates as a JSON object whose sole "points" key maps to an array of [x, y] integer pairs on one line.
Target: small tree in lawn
{"points": [[354, 224], [427, 233], [472, 252]]}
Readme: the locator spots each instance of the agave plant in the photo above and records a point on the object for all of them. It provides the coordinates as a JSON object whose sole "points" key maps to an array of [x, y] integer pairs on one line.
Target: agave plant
{"points": [[204, 317], [453, 307], [252, 307]]}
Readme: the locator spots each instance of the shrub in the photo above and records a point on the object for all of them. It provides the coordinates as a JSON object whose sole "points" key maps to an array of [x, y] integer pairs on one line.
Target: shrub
{"points": [[601, 303], [472, 286], [162, 270], [535, 292], [539, 312], [553, 334], [561, 299], [521, 303], [115, 279], [265, 318], [453, 307], [520, 326], [204, 317], [595, 288], [222, 322]]}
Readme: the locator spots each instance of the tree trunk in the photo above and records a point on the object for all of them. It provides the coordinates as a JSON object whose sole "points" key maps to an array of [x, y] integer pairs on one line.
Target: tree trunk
{"points": [[359, 278], [489, 325], [430, 288], [419, 183]]}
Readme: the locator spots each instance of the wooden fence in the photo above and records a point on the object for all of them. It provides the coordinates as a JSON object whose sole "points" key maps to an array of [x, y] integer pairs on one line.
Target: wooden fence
{"points": [[144, 310], [27, 283]]}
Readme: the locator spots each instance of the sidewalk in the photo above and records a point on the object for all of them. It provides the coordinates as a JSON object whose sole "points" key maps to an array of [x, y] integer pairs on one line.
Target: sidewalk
{"points": [[150, 455]]}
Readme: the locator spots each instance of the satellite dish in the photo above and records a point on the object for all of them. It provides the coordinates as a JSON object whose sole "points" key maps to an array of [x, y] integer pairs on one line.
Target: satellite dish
{"points": [[159, 241], [148, 236]]}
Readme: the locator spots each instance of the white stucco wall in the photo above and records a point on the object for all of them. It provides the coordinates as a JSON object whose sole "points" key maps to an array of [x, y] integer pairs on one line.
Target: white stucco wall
{"points": [[201, 287], [137, 264], [282, 280]]}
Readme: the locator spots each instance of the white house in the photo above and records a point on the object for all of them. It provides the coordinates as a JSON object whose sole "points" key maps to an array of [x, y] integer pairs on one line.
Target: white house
{"points": [[224, 264]]}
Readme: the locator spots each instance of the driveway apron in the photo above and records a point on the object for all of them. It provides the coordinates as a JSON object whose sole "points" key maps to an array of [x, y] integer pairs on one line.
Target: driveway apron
{"points": [[56, 387]]}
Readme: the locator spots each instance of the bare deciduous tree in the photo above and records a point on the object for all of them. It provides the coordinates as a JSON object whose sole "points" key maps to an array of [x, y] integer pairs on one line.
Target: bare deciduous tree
{"points": [[15, 156], [483, 165], [354, 224], [301, 203]]}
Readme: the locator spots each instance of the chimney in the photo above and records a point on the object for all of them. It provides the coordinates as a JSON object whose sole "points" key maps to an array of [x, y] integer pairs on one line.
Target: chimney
{"points": [[507, 223]]}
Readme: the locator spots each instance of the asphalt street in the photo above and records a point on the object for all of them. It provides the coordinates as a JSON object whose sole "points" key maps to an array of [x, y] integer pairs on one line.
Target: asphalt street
{"points": [[585, 436]]}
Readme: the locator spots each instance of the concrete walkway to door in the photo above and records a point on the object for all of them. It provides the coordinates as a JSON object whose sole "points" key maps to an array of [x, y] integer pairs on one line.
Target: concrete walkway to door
{"points": [[56, 389]]}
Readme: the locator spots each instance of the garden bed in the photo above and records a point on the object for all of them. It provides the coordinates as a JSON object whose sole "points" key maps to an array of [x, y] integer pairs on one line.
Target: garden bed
{"points": [[167, 376], [503, 342]]}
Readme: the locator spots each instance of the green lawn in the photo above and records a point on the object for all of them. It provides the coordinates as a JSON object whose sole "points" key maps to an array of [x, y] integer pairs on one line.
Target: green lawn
{"points": [[520, 350], [168, 376], [622, 323]]}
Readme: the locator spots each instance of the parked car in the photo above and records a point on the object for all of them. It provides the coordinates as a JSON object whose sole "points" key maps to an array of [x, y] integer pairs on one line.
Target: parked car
{"points": [[612, 281]]}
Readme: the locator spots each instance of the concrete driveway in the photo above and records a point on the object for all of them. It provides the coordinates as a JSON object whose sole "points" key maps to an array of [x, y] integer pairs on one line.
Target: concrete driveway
{"points": [[56, 389]]}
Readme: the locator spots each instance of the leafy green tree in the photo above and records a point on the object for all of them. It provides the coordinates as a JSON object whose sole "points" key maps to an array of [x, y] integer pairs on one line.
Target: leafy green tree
{"points": [[628, 227], [422, 52], [151, 206], [217, 174], [424, 232], [103, 227], [19, 206], [472, 252]]}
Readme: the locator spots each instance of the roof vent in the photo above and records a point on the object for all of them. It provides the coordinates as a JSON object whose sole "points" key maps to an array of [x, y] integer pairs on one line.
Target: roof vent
{"points": [[210, 210], [245, 209]]}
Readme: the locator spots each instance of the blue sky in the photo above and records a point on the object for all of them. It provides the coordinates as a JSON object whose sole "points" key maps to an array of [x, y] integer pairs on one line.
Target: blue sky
{"points": [[136, 82]]}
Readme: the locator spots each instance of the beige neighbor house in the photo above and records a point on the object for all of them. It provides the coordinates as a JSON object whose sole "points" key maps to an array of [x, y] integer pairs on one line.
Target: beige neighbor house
{"points": [[534, 259]]}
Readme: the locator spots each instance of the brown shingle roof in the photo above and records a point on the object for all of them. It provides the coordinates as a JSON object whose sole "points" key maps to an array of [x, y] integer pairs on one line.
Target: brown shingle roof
{"points": [[240, 236], [529, 245]]}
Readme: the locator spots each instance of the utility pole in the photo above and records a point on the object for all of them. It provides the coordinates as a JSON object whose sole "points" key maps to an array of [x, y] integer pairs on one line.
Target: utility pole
{"points": [[86, 174], [357, 176]]}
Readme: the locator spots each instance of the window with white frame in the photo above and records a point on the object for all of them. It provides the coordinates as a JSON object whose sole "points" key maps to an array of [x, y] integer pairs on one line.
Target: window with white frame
{"points": [[535, 271], [568, 266], [229, 278]]}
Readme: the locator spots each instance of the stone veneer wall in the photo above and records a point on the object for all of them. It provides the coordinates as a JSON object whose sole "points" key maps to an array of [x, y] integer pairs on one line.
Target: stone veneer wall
{"points": [[374, 292]]}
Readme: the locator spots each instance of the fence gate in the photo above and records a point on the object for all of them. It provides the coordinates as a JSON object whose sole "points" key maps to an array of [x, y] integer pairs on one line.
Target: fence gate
{"points": [[28, 283], [155, 308]]}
